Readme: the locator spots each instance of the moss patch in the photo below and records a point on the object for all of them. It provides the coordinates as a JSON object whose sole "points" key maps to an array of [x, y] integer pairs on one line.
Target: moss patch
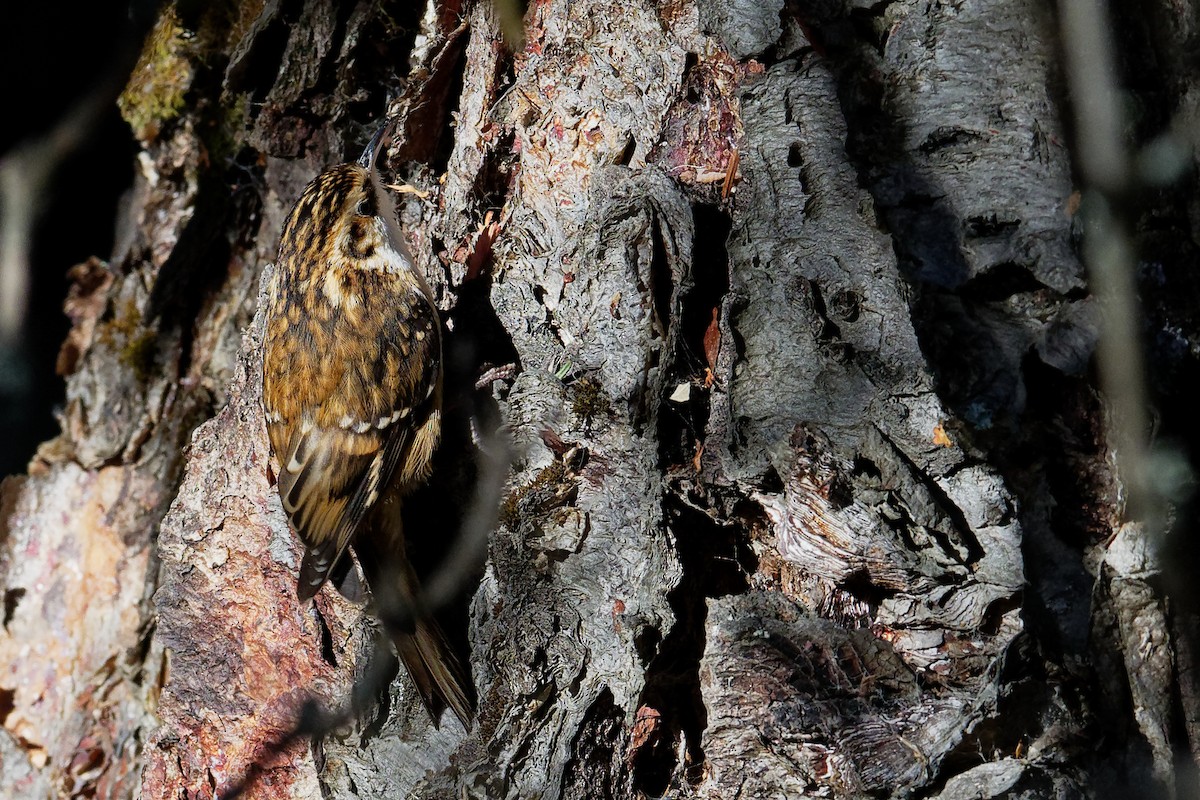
{"points": [[589, 400], [553, 487], [138, 354], [159, 84], [136, 347], [185, 48]]}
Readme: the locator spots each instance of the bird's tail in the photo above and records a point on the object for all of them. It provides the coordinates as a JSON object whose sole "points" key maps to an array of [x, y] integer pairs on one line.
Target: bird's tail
{"points": [[434, 669], [418, 639]]}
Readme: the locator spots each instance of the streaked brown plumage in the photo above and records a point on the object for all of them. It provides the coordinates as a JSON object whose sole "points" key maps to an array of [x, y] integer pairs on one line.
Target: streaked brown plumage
{"points": [[352, 391]]}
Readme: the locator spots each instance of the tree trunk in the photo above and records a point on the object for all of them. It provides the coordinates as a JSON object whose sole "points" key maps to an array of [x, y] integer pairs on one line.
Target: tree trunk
{"points": [[809, 488]]}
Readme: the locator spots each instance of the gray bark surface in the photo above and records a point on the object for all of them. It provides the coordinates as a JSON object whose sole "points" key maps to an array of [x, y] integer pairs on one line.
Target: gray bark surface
{"points": [[809, 493]]}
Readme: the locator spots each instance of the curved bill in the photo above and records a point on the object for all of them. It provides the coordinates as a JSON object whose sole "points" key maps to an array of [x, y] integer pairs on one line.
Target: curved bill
{"points": [[383, 135]]}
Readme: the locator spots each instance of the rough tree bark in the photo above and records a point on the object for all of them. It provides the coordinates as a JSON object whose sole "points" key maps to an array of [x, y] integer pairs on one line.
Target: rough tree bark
{"points": [[810, 492]]}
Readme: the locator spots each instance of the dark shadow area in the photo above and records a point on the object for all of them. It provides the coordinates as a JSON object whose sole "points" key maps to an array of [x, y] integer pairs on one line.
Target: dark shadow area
{"points": [[434, 515], [716, 557], [53, 58], [681, 425], [592, 766], [716, 560]]}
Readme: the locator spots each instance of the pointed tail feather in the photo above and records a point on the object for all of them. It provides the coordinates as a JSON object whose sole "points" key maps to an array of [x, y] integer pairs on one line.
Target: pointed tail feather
{"points": [[418, 639], [434, 670]]}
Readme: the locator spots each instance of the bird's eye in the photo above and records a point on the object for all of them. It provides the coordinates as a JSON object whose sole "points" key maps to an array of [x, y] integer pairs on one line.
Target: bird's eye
{"points": [[366, 206]]}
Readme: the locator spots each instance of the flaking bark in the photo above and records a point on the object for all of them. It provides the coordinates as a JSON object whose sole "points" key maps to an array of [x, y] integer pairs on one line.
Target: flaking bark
{"points": [[809, 491]]}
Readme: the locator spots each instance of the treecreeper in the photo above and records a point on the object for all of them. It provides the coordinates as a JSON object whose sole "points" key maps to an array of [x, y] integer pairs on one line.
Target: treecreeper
{"points": [[352, 396]]}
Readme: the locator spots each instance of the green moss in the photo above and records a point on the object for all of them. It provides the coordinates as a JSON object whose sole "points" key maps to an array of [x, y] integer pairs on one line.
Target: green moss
{"points": [[190, 39], [136, 347], [138, 354], [553, 487], [589, 400], [158, 87], [124, 323]]}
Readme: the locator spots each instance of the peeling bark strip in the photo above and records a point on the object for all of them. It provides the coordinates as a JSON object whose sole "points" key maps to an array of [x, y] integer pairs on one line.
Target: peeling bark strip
{"points": [[780, 307]]}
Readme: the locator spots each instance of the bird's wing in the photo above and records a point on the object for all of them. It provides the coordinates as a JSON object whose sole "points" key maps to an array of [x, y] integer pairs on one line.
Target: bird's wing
{"points": [[341, 393]]}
